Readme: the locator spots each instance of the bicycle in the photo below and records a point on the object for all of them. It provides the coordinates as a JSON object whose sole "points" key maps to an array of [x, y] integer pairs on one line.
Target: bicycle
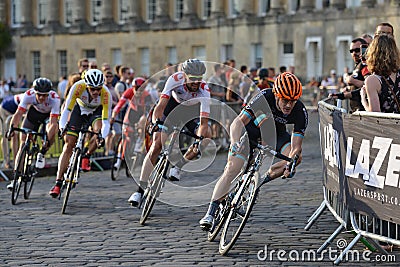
{"points": [[25, 171], [121, 147], [73, 171], [235, 209], [159, 174]]}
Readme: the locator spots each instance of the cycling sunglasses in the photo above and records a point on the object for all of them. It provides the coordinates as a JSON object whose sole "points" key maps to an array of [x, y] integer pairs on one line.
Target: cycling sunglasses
{"points": [[195, 78], [95, 88]]}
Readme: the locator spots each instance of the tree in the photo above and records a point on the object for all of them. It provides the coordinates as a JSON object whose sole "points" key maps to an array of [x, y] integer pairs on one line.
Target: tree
{"points": [[5, 37]]}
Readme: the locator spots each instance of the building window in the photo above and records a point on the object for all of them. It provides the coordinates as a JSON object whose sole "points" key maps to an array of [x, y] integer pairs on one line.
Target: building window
{"points": [[233, 8], [68, 12], [353, 3], [62, 63], [288, 48], [90, 54], [226, 52], [124, 10], [256, 55], [199, 52], [43, 11], [172, 55], [263, 7], [116, 56], [178, 10], [150, 10], [95, 11], [16, 13], [145, 61], [36, 64], [205, 9], [292, 6]]}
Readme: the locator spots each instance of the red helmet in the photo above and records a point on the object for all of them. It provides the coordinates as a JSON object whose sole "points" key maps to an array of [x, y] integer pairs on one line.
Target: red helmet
{"points": [[287, 86], [138, 82]]}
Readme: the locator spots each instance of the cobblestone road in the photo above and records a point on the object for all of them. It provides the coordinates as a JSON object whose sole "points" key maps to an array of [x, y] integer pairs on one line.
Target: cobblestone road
{"points": [[101, 229]]}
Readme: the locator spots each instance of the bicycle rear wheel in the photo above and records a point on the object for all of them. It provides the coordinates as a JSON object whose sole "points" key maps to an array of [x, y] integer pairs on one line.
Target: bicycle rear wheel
{"points": [[30, 173], [239, 213], [115, 169], [153, 190], [18, 175], [73, 171]]}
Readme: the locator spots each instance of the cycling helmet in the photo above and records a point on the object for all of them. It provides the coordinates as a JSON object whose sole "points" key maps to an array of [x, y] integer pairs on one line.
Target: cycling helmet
{"points": [[263, 73], [94, 78], [42, 85], [287, 86], [138, 81], [194, 67]]}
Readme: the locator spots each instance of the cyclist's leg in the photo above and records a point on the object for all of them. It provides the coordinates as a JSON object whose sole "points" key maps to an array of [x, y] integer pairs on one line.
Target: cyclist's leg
{"points": [[283, 145], [51, 130]]}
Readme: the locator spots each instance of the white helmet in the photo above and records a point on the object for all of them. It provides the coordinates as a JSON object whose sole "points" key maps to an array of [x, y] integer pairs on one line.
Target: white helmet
{"points": [[94, 78]]}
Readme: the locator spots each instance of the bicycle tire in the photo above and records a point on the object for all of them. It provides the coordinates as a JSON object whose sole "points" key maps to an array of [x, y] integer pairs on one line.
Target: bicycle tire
{"points": [[18, 175], [127, 171], [74, 169], [30, 171], [115, 171], [236, 220], [154, 189]]}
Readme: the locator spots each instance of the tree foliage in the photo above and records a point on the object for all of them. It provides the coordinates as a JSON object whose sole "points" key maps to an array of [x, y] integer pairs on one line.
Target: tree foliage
{"points": [[5, 37]]}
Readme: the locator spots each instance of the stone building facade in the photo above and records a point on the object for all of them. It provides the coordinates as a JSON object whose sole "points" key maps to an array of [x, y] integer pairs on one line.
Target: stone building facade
{"points": [[49, 36]]}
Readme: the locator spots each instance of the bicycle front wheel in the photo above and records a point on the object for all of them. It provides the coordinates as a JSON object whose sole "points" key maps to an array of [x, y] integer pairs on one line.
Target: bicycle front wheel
{"points": [[115, 168], [221, 215], [18, 175], [153, 190], [240, 210], [73, 171], [30, 172]]}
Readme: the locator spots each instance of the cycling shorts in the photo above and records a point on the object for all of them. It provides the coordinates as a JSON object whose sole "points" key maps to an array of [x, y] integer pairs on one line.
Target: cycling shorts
{"points": [[34, 119], [77, 119]]}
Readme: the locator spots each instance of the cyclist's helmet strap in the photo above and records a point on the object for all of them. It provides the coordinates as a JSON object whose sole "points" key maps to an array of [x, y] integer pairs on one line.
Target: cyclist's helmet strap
{"points": [[94, 78], [42, 85], [287, 86], [194, 67]]}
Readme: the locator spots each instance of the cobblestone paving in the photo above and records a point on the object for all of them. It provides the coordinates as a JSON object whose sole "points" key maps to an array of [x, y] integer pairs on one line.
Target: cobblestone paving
{"points": [[101, 229]]}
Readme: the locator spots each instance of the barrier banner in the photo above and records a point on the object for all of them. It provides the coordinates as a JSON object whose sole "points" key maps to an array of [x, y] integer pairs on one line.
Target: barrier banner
{"points": [[331, 127], [372, 165]]}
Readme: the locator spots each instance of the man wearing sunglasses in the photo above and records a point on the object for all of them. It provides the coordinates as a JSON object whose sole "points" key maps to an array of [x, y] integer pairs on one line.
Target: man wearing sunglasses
{"points": [[181, 97], [88, 101], [42, 103]]}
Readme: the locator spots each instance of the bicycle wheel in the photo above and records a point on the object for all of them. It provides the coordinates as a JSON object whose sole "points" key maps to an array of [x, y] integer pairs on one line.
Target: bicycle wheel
{"points": [[240, 210], [18, 175], [73, 170], [115, 169], [30, 173], [153, 190], [221, 215]]}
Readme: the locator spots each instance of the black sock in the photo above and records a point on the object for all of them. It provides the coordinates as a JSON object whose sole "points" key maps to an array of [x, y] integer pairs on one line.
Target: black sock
{"points": [[213, 207]]}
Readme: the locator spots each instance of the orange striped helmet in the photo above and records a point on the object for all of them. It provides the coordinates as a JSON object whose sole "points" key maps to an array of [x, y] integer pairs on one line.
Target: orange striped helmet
{"points": [[287, 86]]}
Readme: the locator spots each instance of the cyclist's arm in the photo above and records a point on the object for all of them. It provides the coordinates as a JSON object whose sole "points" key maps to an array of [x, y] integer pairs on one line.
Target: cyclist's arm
{"points": [[296, 147], [106, 112], [69, 105], [127, 95], [16, 118], [203, 128], [159, 109]]}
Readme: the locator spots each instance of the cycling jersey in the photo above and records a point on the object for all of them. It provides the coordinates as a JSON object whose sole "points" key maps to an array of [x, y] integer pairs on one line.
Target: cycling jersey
{"points": [[10, 103], [79, 94], [176, 87], [136, 103], [298, 116], [50, 105]]}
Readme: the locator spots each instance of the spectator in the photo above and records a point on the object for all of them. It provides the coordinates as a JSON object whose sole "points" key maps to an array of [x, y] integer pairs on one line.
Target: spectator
{"points": [[253, 73], [282, 69], [244, 70], [83, 64], [11, 84], [368, 38], [216, 84], [24, 83], [116, 74], [72, 78], [382, 87], [384, 27], [93, 64], [62, 86], [4, 89]]}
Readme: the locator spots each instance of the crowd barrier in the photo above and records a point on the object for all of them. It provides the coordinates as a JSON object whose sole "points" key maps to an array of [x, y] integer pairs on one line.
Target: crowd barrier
{"points": [[360, 175]]}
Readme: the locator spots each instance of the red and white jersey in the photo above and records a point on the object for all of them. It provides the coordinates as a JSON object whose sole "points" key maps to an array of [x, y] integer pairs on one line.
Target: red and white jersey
{"points": [[176, 87], [51, 104]]}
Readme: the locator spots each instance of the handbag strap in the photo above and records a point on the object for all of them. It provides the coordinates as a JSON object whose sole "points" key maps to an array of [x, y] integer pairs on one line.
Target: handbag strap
{"points": [[391, 86]]}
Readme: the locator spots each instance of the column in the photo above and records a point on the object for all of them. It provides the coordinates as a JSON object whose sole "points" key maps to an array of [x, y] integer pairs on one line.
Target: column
{"points": [[307, 5], [217, 9], [189, 12], [79, 21], [246, 8], [54, 16], [3, 12], [26, 15], [162, 14], [107, 12], [276, 7]]}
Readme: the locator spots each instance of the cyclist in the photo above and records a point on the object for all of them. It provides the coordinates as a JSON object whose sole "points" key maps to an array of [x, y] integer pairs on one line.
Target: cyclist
{"points": [[139, 99], [283, 102], [42, 103], [88, 101], [185, 88]]}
